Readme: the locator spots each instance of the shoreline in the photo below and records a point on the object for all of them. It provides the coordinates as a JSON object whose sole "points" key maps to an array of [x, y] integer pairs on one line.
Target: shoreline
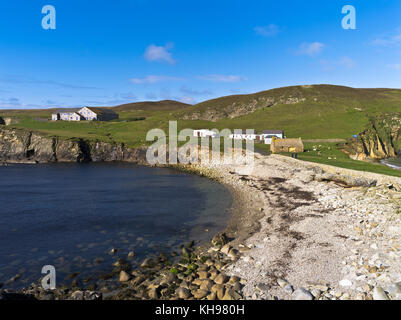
{"points": [[325, 218], [266, 235], [151, 267]]}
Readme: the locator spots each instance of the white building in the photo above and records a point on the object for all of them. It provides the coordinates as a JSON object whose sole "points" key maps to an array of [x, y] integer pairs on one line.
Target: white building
{"points": [[268, 135], [85, 113], [205, 134], [242, 135], [67, 115]]}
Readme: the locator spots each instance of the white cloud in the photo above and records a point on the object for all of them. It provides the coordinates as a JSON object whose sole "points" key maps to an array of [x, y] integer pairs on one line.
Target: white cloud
{"points": [[347, 62], [388, 40], [395, 66], [221, 78], [156, 53], [165, 94], [193, 92], [311, 49], [330, 65], [10, 102], [154, 79], [267, 31]]}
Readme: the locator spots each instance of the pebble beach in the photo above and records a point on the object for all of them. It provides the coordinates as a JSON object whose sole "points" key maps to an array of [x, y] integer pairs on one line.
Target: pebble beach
{"points": [[298, 231]]}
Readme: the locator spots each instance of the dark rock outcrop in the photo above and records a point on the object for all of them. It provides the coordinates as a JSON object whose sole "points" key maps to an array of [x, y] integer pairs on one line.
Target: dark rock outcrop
{"points": [[18, 145], [381, 139]]}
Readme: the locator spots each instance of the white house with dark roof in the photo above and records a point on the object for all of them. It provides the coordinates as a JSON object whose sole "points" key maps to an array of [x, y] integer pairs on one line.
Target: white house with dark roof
{"points": [[266, 136], [204, 133], [67, 115], [85, 113]]}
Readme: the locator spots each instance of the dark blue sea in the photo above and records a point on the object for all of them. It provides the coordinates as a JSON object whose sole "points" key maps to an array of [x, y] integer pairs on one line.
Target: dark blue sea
{"points": [[71, 215]]}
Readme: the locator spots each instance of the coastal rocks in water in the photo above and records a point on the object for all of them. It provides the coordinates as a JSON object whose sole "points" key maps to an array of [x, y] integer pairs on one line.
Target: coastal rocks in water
{"points": [[170, 278], [131, 255], [200, 294], [153, 293], [148, 263], [121, 265], [220, 239], [226, 249], [183, 293], [77, 295], [124, 276], [85, 295], [15, 278]]}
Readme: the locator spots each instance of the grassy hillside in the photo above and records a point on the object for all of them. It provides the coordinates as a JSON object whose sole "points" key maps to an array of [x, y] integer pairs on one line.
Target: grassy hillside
{"points": [[164, 105], [322, 111], [310, 112]]}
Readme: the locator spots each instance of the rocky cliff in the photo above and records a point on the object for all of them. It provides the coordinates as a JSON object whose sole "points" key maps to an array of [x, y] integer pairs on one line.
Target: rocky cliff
{"points": [[382, 138], [238, 107], [18, 145]]}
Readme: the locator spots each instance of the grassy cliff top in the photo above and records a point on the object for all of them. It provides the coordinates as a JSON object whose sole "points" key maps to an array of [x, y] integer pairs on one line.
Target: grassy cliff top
{"points": [[310, 112]]}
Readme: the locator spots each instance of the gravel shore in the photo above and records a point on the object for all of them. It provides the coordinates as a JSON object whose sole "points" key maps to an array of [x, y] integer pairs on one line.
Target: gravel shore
{"points": [[324, 232]]}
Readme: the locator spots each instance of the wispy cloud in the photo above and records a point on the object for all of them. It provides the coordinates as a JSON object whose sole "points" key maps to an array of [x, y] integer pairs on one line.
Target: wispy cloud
{"points": [[388, 40], [267, 31], [347, 62], [159, 53], [221, 78], [154, 79], [114, 100], [10, 102], [344, 62], [16, 103], [151, 96], [395, 66], [165, 94], [29, 80], [192, 92], [311, 48]]}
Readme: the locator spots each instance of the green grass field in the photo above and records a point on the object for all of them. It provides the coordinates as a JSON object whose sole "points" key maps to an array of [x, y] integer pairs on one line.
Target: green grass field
{"points": [[324, 112]]}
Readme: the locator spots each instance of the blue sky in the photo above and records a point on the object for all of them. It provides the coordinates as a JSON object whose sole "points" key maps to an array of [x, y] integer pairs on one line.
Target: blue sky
{"points": [[113, 52]]}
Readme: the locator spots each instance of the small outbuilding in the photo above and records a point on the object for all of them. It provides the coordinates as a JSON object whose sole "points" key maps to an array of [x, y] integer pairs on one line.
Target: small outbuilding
{"points": [[287, 145]]}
